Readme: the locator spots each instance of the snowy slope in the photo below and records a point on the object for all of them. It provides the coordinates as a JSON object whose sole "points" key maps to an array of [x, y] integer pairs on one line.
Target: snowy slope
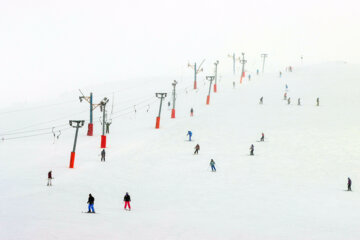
{"points": [[293, 188]]}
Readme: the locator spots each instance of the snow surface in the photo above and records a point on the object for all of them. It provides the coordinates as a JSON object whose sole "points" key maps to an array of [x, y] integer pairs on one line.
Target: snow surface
{"points": [[293, 188]]}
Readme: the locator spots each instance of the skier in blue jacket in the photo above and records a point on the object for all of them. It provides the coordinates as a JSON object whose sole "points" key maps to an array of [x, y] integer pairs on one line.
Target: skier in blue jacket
{"points": [[189, 134]]}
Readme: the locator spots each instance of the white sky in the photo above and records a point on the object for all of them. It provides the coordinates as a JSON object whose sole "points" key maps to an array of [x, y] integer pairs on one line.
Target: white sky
{"points": [[53, 46]]}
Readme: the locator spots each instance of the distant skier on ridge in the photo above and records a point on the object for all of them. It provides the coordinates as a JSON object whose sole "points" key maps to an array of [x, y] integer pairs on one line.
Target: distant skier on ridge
{"points": [[262, 137], [49, 178], [127, 201], [91, 201], [103, 155], [252, 149], [189, 134], [197, 148], [349, 184], [212, 164]]}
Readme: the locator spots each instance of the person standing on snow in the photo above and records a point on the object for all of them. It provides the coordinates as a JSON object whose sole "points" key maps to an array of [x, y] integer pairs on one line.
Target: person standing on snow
{"points": [[49, 178], [91, 201], [257, 71], [249, 76], [212, 164], [285, 96], [252, 149], [349, 184], [233, 84], [103, 155], [317, 102], [189, 134], [286, 87], [288, 101], [191, 112], [280, 73], [262, 137], [299, 102], [261, 100], [197, 148], [108, 127], [127, 201]]}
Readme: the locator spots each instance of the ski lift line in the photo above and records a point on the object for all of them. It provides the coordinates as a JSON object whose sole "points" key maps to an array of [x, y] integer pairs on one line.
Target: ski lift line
{"points": [[54, 120], [139, 103], [34, 130], [130, 112], [33, 135]]}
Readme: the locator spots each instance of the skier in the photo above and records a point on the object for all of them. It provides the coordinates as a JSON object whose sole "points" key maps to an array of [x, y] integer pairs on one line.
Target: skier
{"points": [[288, 101], [127, 201], [286, 87], [91, 204], [197, 148], [252, 149], [191, 112], [49, 178], [189, 134], [103, 155], [168, 105], [299, 102], [280, 73], [317, 102], [249, 76], [285, 96], [262, 137], [349, 184], [257, 71], [261, 100], [233, 84], [212, 164], [108, 127]]}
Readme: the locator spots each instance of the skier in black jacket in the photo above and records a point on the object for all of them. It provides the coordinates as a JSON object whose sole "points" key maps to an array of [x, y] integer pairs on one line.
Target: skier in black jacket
{"points": [[349, 184], [103, 155], [91, 201], [127, 201]]}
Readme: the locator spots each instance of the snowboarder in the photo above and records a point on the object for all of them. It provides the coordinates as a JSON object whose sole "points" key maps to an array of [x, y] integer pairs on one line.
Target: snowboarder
{"points": [[288, 101], [299, 102], [262, 137], [212, 164], [191, 112], [127, 201], [349, 184], [197, 148], [103, 155], [285, 96], [317, 102], [252, 149], [261, 100], [108, 127], [49, 178], [189, 134], [91, 204]]}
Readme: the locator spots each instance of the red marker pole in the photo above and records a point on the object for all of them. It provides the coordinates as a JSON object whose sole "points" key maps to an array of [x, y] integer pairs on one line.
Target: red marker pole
{"points": [[161, 96], [79, 124], [103, 109], [215, 85], [174, 99], [211, 79]]}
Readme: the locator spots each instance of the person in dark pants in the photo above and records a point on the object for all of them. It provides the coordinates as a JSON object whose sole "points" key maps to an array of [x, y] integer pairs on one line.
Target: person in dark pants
{"points": [[349, 184], [191, 112], [49, 178], [127, 201], [299, 103], [262, 137], [261, 100], [108, 127], [91, 201], [212, 164], [103, 155], [252, 149], [318, 102], [197, 148]]}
